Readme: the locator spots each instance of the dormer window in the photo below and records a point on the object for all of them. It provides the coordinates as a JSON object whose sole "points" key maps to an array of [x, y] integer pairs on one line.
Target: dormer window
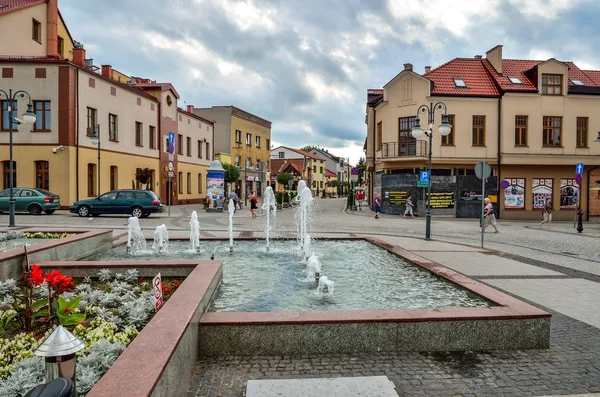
{"points": [[515, 80], [552, 84], [576, 82], [459, 83]]}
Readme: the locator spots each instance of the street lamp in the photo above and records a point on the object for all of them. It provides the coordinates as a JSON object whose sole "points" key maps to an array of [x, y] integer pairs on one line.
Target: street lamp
{"points": [[28, 118], [597, 140], [95, 140], [444, 129]]}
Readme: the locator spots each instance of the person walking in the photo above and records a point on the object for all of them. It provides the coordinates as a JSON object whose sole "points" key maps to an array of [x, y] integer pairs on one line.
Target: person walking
{"points": [[253, 204], [488, 215], [360, 196], [377, 205], [547, 211], [233, 196], [409, 206]]}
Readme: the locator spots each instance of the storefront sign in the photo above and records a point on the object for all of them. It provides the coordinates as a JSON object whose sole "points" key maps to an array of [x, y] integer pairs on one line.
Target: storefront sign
{"points": [[569, 194], [442, 200], [397, 197], [251, 178], [470, 195], [542, 191], [215, 182], [514, 194]]}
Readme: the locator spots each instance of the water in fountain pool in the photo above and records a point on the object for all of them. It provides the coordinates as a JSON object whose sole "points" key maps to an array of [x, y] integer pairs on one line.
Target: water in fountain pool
{"points": [[366, 277]]}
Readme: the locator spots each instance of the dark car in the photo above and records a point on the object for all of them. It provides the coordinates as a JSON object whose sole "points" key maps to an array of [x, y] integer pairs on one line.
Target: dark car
{"points": [[32, 200], [138, 203]]}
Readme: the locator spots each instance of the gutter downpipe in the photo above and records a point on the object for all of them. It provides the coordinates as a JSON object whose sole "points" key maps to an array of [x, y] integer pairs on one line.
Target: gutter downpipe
{"points": [[589, 175], [76, 134], [499, 179]]}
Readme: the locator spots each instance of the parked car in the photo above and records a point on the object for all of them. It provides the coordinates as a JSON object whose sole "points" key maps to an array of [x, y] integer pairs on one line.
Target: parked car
{"points": [[138, 203], [32, 200]]}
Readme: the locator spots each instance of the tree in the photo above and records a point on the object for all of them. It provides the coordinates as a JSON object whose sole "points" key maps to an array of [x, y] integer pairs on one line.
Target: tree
{"points": [[362, 168], [283, 178], [232, 173], [308, 148]]}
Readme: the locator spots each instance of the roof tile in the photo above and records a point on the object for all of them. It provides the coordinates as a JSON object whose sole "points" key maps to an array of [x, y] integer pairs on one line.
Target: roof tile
{"points": [[472, 71], [7, 6]]}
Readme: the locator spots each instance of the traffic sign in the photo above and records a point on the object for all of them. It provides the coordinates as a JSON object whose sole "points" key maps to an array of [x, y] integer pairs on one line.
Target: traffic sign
{"points": [[171, 166], [171, 137], [424, 176], [422, 184], [171, 157], [171, 148], [483, 170], [579, 179], [158, 295], [504, 184], [171, 174], [579, 168], [354, 171]]}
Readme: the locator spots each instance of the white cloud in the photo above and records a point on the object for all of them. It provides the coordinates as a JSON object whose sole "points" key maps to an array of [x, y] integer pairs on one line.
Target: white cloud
{"points": [[247, 15], [324, 91], [539, 54], [546, 9]]}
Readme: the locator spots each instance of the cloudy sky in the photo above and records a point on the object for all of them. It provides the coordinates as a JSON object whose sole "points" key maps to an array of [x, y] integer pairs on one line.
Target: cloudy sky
{"points": [[305, 65]]}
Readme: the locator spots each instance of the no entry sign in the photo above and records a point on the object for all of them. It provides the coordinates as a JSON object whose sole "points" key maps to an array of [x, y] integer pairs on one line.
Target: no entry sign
{"points": [[158, 295]]}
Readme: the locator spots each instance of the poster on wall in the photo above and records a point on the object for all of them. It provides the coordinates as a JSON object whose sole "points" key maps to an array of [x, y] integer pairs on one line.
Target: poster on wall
{"points": [[442, 200], [514, 194], [569, 194], [397, 197], [215, 182], [542, 191]]}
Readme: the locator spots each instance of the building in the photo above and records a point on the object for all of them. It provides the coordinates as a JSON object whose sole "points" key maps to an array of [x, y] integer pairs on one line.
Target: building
{"points": [[313, 167], [338, 165], [74, 100], [532, 121], [248, 139]]}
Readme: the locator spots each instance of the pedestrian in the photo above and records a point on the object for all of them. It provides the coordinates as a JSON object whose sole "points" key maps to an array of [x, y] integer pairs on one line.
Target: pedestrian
{"points": [[409, 206], [377, 206], [360, 195], [488, 215], [253, 204], [233, 196], [547, 211]]}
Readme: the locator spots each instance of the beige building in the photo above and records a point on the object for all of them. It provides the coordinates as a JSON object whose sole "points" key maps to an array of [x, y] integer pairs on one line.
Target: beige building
{"points": [[248, 139], [73, 100], [532, 121], [313, 167]]}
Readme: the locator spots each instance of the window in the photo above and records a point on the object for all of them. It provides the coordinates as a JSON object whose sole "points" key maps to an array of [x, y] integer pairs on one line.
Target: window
{"points": [[6, 116], [152, 137], [577, 82], [268, 144], [208, 153], [199, 149], [138, 134], [552, 84], [521, 130], [188, 145], [91, 180], [448, 140], [189, 183], [180, 181], [249, 139], [42, 177], [552, 131], [199, 183], [238, 161], [257, 144], [61, 46], [379, 136], [114, 177], [281, 155], [248, 162], [43, 117], [478, 130], [321, 170], [515, 80], [36, 31], [582, 132], [314, 168], [92, 120], [459, 83], [6, 174], [238, 136], [405, 124], [113, 128], [179, 144]]}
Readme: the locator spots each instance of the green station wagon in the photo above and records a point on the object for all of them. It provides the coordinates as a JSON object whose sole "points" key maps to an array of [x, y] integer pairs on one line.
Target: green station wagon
{"points": [[32, 200], [138, 203]]}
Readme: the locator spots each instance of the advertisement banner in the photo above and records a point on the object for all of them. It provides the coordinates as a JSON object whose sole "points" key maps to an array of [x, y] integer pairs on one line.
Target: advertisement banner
{"points": [[569, 194], [541, 191], [215, 184], [397, 197], [442, 200], [514, 194]]}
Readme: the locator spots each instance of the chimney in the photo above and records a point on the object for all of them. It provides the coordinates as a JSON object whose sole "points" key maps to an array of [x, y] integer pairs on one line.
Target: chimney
{"points": [[427, 69], [52, 29], [494, 56], [79, 55], [190, 108], [107, 71], [408, 66]]}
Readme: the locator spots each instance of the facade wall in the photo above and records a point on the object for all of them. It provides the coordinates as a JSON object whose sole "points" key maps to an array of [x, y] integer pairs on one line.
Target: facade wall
{"points": [[221, 115], [197, 187], [68, 43], [18, 26]]}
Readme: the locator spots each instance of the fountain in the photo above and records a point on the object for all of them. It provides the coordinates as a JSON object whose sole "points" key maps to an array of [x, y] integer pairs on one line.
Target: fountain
{"points": [[299, 214], [231, 209], [136, 243], [313, 269], [325, 287], [161, 240], [307, 247], [270, 206], [195, 232], [306, 199]]}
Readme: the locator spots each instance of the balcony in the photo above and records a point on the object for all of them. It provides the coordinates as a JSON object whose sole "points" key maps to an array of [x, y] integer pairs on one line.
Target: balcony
{"points": [[403, 149]]}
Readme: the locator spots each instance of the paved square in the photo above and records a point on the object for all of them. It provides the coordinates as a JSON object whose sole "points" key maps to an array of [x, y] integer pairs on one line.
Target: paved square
{"points": [[363, 386]]}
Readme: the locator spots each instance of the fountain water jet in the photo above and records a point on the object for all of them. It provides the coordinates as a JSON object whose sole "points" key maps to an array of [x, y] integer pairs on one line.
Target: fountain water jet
{"points": [[161, 240], [299, 214], [231, 209], [195, 232], [307, 247], [325, 287], [270, 206], [313, 269], [306, 200], [136, 242]]}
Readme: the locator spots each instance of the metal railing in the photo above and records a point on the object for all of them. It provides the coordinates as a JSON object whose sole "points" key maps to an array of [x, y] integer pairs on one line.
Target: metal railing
{"points": [[404, 149]]}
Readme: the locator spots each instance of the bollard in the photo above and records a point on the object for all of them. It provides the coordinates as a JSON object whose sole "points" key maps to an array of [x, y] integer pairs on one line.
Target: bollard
{"points": [[579, 222]]}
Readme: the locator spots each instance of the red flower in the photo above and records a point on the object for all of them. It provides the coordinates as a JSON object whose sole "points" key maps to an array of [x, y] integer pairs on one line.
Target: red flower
{"points": [[36, 278], [67, 310], [176, 283]]}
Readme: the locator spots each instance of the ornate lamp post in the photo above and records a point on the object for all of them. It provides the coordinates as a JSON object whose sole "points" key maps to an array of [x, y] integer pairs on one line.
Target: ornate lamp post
{"points": [[444, 129], [29, 117]]}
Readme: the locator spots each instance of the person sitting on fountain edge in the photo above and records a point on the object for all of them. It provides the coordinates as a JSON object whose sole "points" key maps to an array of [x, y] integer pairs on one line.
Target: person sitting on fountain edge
{"points": [[253, 204]]}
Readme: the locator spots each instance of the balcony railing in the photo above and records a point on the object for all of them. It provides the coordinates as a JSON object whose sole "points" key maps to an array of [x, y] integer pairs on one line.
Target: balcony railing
{"points": [[404, 149]]}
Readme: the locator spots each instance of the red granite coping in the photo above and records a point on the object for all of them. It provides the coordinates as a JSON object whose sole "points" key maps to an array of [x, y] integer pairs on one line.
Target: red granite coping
{"points": [[139, 368], [121, 264], [51, 243]]}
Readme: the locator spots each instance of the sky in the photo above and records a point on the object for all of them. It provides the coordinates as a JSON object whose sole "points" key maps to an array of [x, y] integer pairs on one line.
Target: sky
{"points": [[306, 65]]}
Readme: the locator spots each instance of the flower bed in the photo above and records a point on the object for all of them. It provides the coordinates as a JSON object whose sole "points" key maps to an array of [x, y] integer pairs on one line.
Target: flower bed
{"points": [[106, 314], [15, 234]]}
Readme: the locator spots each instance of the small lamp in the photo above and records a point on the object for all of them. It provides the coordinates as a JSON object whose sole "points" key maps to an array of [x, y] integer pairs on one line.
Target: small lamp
{"points": [[96, 136], [597, 140], [29, 116], [59, 352], [445, 128], [417, 131]]}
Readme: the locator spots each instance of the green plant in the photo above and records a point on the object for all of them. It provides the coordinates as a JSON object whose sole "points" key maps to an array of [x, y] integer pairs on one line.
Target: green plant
{"points": [[232, 173], [143, 175], [284, 177], [279, 198], [48, 235], [66, 312], [7, 320]]}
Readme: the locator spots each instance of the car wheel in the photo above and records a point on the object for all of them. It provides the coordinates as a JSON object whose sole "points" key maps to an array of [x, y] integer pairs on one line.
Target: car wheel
{"points": [[35, 209], [146, 215], [49, 212], [83, 211], [137, 212]]}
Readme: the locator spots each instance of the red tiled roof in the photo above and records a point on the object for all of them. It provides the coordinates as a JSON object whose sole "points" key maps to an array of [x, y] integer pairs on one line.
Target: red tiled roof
{"points": [[302, 152], [593, 75], [280, 165], [7, 6], [472, 71], [512, 68], [329, 173], [194, 115]]}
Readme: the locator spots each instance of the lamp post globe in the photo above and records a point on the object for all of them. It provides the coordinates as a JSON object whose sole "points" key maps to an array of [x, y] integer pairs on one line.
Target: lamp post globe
{"points": [[417, 131], [29, 116], [597, 140], [445, 128]]}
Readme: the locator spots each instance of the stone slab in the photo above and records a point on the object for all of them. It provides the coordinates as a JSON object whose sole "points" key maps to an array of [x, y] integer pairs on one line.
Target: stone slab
{"points": [[363, 386], [417, 244]]}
